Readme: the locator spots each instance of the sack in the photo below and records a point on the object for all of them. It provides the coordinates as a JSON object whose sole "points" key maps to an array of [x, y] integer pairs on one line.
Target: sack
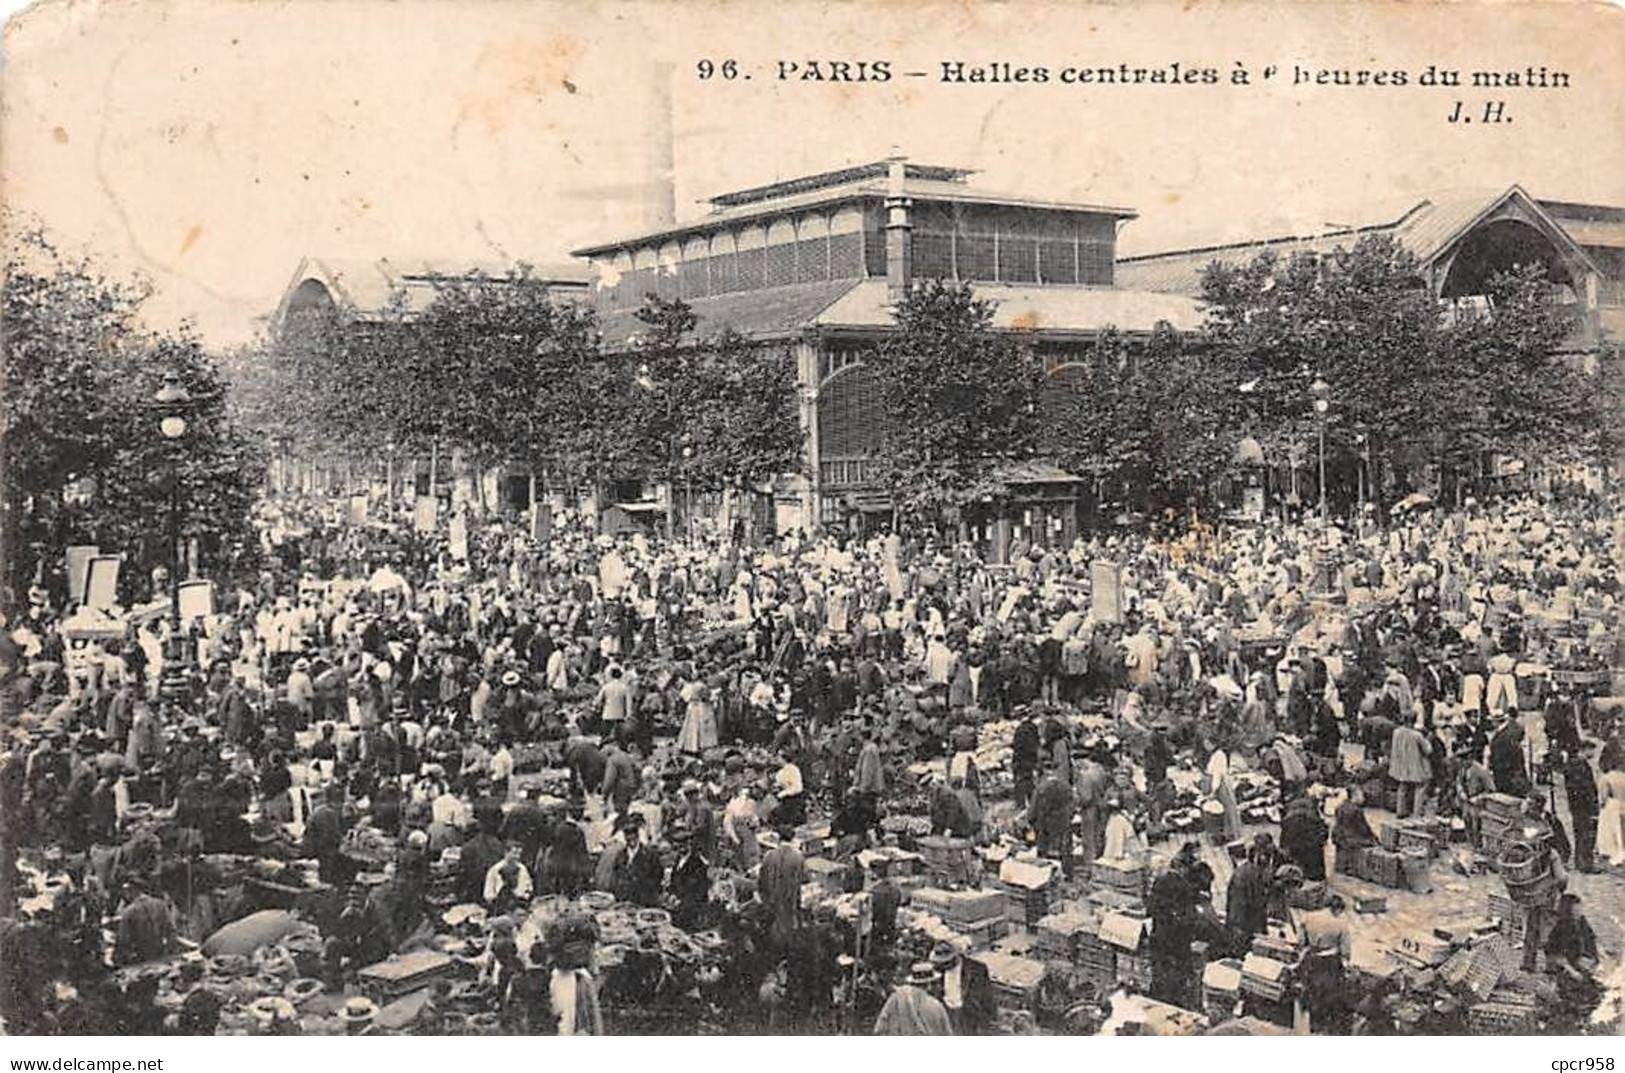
{"points": [[242, 937]]}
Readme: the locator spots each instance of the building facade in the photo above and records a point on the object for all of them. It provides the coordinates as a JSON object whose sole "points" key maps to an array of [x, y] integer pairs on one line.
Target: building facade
{"points": [[816, 265], [1461, 241]]}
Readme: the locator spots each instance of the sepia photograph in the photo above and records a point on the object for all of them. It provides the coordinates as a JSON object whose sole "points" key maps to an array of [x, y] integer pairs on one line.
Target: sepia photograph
{"points": [[831, 519]]}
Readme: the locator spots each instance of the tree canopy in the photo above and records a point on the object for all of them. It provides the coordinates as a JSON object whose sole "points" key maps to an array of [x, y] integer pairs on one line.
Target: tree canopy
{"points": [[83, 460], [959, 400]]}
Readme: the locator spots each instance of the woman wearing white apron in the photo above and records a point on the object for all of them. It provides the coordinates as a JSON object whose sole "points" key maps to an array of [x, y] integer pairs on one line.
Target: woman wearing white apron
{"points": [[699, 731], [1611, 822], [1224, 791]]}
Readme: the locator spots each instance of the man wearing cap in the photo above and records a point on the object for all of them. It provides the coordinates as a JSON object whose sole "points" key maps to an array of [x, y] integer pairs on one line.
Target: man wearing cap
{"points": [[778, 885], [1580, 787], [699, 819], [1246, 900], [645, 873], [1408, 765], [324, 834], [690, 882], [612, 700]]}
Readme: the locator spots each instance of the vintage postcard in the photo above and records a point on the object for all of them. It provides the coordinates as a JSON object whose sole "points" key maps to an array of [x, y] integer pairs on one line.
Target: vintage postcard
{"points": [[858, 518]]}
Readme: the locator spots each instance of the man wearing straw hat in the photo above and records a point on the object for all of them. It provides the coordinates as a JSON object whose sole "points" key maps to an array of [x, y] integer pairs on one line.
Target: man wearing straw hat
{"points": [[913, 1009]]}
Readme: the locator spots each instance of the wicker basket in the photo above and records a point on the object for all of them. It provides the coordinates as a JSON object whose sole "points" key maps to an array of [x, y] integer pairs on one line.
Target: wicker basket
{"points": [[1537, 891], [1520, 863]]}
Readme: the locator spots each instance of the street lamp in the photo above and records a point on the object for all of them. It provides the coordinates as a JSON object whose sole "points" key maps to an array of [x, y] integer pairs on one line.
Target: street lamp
{"points": [[688, 491], [1320, 389], [171, 400], [645, 382]]}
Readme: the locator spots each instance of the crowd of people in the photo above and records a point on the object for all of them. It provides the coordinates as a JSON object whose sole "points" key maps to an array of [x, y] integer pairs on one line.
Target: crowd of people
{"points": [[710, 701]]}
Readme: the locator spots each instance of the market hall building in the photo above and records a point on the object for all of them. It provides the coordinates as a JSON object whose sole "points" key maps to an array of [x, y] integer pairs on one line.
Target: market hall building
{"points": [[816, 265], [1461, 241]]}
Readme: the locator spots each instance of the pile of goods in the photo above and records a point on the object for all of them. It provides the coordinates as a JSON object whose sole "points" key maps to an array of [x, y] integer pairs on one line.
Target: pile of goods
{"points": [[1500, 818], [1027, 887], [977, 917], [1107, 946]]}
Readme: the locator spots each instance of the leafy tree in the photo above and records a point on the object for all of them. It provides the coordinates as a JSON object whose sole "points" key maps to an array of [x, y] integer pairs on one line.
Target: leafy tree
{"points": [[1410, 382], [1509, 392], [82, 458], [746, 429], [504, 372], [1147, 417], [715, 412], [1362, 320], [959, 400]]}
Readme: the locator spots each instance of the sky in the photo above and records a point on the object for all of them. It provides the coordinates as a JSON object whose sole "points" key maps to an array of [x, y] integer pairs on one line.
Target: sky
{"points": [[210, 144]]}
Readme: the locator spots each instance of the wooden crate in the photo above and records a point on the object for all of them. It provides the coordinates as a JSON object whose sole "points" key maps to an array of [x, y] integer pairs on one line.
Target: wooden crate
{"points": [[981, 933], [1501, 1019], [1134, 970], [408, 972], [960, 906], [1060, 935], [1384, 868], [1265, 977], [1221, 989], [1097, 960], [1418, 838], [1014, 979]]}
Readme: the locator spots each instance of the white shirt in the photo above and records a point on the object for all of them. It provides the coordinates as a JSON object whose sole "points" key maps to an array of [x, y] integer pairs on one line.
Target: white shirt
{"points": [[788, 780], [448, 809], [493, 881], [501, 764]]}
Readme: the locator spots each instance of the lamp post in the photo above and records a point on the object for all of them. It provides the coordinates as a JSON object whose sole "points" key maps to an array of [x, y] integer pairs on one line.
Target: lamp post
{"points": [[646, 383], [171, 400], [688, 491], [1320, 389]]}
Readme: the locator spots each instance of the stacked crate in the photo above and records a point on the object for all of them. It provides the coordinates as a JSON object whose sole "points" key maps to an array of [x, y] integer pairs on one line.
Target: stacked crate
{"points": [[1014, 980], [1418, 836], [1127, 937], [1111, 901], [1061, 936], [1499, 816], [1507, 1013], [1026, 886], [1384, 867], [1511, 915], [829, 875], [950, 861], [1277, 947], [444, 874], [1221, 989], [1123, 875], [1265, 977], [977, 915], [1097, 960]]}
